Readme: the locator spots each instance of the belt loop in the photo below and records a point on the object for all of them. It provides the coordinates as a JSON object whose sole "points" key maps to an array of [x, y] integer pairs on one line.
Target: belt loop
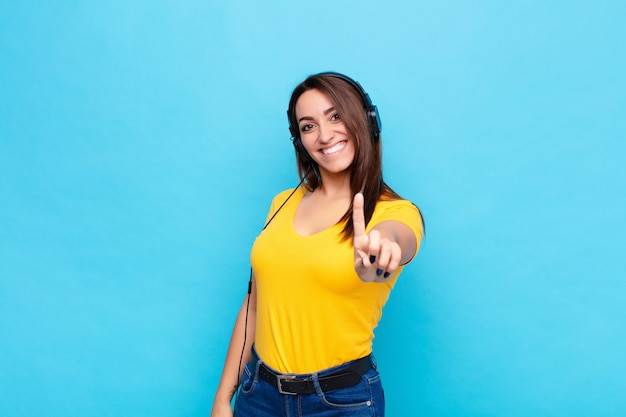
{"points": [[317, 384], [256, 362], [256, 369], [373, 361]]}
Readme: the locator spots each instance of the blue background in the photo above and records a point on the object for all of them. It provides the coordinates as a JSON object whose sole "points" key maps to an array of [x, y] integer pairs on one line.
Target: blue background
{"points": [[141, 143]]}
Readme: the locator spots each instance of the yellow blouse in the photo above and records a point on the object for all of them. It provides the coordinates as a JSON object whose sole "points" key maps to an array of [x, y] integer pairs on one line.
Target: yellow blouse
{"points": [[313, 311]]}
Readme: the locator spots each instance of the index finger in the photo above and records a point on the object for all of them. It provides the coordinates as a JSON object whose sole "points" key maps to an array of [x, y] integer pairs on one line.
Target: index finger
{"points": [[358, 216]]}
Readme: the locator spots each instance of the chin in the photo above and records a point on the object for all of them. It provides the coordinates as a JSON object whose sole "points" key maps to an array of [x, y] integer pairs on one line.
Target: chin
{"points": [[336, 170]]}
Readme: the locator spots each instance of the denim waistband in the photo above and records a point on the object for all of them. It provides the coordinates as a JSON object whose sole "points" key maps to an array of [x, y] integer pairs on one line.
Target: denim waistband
{"points": [[342, 376]]}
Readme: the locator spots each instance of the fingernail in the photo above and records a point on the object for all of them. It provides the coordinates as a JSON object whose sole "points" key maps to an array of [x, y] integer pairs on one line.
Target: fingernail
{"points": [[386, 274], [372, 259], [379, 272]]}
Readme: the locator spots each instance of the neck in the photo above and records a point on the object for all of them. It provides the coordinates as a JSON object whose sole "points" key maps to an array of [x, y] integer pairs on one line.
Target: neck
{"points": [[337, 185]]}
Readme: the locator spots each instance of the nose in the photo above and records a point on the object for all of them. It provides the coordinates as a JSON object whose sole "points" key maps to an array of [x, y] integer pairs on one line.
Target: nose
{"points": [[326, 132]]}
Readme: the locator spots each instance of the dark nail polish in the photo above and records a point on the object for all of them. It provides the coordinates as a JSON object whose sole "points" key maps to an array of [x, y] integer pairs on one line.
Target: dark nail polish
{"points": [[379, 272], [372, 259], [386, 275]]}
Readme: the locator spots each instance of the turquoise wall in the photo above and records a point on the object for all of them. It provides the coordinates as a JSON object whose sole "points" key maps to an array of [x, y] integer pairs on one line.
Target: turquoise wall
{"points": [[142, 141]]}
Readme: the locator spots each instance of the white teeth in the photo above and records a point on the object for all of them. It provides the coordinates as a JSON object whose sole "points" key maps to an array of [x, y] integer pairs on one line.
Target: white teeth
{"points": [[334, 149]]}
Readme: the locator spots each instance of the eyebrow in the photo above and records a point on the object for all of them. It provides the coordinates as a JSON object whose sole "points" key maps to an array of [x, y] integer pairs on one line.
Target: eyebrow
{"points": [[326, 112]]}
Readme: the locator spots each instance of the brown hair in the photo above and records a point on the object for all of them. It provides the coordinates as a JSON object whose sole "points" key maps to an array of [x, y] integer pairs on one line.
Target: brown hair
{"points": [[366, 174]]}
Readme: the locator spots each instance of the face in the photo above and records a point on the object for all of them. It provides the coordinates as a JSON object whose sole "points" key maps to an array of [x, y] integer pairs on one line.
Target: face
{"points": [[323, 133]]}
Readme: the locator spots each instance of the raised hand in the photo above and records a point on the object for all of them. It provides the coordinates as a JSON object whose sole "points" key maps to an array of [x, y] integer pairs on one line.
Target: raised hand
{"points": [[376, 254]]}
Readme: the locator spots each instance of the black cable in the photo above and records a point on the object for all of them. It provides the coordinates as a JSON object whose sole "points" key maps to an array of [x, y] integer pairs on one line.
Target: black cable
{"points": [[245, 336], [245, 329]]}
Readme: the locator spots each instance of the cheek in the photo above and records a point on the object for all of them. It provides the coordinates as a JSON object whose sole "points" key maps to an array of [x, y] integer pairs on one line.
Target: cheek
{"points": [[307, 142], [352, 146]]}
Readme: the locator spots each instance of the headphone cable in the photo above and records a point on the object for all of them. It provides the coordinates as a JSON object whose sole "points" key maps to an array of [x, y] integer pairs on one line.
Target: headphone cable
{"points": [[245, 329]]}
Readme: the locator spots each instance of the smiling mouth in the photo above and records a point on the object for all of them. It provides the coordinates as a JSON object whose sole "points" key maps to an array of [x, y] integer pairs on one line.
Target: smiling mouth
{"points": [[334, 149]]}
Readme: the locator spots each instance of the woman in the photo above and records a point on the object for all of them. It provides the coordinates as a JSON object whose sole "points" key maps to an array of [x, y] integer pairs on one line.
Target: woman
{"points": [[323, 267]]}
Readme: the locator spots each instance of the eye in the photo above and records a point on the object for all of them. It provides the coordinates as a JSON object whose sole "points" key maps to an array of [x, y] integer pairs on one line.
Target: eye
{"points": [[306, 127], [335, 117]]}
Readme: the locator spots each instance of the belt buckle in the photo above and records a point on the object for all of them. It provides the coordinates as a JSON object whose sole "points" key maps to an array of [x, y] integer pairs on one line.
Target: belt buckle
{"points": [[280, 378]]}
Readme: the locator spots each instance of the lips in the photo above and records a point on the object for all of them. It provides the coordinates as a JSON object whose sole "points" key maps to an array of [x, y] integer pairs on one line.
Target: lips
{"points": [[334, 149]]}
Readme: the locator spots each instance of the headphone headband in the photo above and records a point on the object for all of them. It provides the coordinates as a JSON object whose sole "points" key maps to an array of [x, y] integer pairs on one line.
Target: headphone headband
{"points": [[371, 112], [365, 98]]}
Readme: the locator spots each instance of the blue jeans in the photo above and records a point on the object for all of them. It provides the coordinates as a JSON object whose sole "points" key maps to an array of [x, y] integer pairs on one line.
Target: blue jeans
{"points": [[258, 398]]}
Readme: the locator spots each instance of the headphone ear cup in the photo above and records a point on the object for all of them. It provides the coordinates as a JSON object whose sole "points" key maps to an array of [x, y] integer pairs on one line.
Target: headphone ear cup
{"points": [[300, 151], [373, 118], [293, 130]]}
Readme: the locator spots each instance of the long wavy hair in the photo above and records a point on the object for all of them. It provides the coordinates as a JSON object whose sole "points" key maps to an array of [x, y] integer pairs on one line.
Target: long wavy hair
{"points": [[366, 173]]}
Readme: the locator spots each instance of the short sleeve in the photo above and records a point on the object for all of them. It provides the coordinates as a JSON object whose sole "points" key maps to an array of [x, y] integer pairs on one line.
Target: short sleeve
{"points": [[402, 211]]}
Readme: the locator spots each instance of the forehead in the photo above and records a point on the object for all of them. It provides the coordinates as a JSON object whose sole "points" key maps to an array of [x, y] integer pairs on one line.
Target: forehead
{"points": [[312, 102]]}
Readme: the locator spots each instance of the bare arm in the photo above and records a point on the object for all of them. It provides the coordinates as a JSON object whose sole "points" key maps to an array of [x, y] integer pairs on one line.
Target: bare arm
{"points": [[228, 383]]}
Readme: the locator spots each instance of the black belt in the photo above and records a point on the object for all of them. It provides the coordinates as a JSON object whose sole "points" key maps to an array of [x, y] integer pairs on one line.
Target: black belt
{"points": [[303, 384]]}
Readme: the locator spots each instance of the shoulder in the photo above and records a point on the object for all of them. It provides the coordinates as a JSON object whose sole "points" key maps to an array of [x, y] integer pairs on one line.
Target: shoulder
{"points": [[283, 194], [282, 197], [396, 205], [400, 210]]}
